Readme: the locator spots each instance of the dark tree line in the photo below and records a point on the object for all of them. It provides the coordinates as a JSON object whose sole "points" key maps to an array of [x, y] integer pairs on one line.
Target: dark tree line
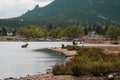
{"points": [[3, 32]]}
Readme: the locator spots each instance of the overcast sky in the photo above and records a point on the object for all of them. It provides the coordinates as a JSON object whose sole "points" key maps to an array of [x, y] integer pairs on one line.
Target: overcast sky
{"points": [[14, 8]]}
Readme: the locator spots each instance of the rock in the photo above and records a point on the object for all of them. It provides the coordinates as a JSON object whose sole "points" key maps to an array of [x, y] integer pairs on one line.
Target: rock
{"points": [[110, 77], [10, 78]]}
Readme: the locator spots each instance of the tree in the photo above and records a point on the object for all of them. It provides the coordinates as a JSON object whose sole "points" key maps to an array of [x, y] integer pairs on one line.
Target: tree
{"points": [[55, 33], [31, 32], [4, 32], [72, 32], [113, 32], [99, 29]]}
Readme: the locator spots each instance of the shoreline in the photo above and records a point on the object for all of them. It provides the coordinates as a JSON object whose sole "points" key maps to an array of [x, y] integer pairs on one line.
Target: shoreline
{"points": [[87, 41], [50, 76], [64, 51]]}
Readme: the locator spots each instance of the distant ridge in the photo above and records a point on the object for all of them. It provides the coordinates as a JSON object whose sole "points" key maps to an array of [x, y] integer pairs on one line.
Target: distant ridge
{"points": [[88, 11], [75, 11]]}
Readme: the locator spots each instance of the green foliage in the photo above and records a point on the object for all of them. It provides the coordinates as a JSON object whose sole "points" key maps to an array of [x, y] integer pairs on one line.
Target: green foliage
{"points": [[31, 32], [70, 47], [77, 12], [99, 29], [113, 32], [3, 32], [91, 61], [76, 70], [60, 69], [55, 33], [69, 32], [72, 32]]}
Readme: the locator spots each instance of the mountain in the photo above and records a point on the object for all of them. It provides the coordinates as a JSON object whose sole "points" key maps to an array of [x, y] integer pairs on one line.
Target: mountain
{"points": [[88, 11], [75, 11]]}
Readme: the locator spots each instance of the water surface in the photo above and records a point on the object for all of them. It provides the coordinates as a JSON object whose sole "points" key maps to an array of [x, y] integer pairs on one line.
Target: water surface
{"points": [[16, 61]]}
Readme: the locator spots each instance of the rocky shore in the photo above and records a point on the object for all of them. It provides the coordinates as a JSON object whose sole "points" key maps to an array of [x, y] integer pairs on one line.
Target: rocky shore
{"points": [[50, 76]]}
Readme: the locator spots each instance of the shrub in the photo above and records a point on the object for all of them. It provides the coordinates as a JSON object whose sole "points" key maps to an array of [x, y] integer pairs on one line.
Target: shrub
{"points": [[76, 70], [101, 68], [70, 48], [89, 61], [60, 69]]}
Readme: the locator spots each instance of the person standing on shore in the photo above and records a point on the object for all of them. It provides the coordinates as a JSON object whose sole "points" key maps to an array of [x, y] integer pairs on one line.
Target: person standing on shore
{"points": [[74, 42]]}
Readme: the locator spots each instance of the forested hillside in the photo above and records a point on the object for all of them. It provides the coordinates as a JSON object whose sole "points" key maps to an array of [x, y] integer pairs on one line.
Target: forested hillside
{"points": [[69, 12]]}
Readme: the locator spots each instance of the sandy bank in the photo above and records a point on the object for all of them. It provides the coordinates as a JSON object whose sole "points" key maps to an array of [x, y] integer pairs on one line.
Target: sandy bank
{"points": [[65, 51], [107, 49]]}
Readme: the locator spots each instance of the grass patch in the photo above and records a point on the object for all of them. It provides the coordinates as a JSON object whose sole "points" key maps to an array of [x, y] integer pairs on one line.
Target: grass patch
{"points": [[89, 61]]}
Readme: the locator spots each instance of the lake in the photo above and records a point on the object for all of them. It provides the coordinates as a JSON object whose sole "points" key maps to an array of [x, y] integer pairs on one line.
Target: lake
{"points": [[16, 61]]}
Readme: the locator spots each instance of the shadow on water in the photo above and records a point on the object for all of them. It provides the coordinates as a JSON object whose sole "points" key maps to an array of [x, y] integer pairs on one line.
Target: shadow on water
{"points": [[51, 53], [16, 61]]}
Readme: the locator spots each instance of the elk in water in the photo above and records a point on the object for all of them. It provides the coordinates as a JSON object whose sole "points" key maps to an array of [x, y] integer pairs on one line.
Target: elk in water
{"points": [[24, 46]]}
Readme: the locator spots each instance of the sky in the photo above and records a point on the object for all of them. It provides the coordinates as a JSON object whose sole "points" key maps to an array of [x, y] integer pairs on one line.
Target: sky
{"points": [[14, 8]]}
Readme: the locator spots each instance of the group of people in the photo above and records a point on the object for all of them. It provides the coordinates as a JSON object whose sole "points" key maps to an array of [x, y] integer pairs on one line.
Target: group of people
{"points": [[74, 42]]}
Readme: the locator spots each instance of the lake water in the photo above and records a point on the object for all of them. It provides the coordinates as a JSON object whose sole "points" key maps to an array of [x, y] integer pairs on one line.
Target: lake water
{"points": [[16, 61]]}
